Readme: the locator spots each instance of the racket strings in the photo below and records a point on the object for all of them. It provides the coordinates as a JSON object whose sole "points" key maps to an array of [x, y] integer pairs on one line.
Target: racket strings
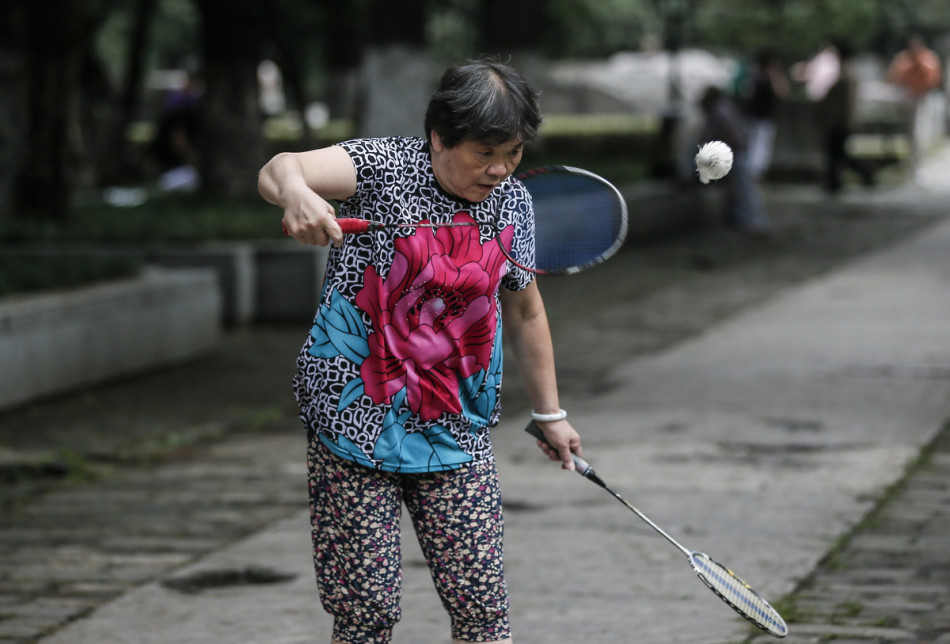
{"points": [[580, 219], [738, 594]]}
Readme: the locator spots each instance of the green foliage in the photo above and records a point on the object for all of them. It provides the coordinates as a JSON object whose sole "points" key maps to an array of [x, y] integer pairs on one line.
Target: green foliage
{"points": [[449, 29], [611, 145], [580, 125], [929, 17], [26, 272], [163, 218], [584, 29], [795, 28], [172, 34], [175, 33], [184, 218]]}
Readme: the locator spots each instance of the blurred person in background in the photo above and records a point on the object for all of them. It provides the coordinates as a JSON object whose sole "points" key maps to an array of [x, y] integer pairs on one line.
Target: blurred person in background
{"points": [[835, 116], [819, 72], [766, 87], [175, 147], [916, 71], [723, 121]]}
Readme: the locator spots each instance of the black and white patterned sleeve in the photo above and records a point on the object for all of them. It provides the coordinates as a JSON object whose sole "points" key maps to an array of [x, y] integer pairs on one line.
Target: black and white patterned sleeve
{"points": [[517, 208]]}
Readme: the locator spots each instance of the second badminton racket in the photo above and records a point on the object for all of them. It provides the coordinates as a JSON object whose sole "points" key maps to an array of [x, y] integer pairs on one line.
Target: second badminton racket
{"points": [[720, 579]]}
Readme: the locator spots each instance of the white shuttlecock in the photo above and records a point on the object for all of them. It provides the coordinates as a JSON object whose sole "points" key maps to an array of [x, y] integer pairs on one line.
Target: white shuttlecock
{"points": [[713, 161]]}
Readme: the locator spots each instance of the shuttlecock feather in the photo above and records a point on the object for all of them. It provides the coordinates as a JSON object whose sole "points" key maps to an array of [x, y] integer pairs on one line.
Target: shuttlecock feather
{"points": [[713, 161]]}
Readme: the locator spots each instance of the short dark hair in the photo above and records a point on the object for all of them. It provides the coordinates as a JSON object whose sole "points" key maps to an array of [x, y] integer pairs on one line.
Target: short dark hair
{"points": [[485, 101]]}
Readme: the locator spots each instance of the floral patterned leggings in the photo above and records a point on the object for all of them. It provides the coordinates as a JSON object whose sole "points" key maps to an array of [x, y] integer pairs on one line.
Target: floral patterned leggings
{"points": [[457, 516]]}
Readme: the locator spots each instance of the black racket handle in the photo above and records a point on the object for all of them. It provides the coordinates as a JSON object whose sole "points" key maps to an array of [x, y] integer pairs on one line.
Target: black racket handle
{"points": [[583, 467], [580, 465]]}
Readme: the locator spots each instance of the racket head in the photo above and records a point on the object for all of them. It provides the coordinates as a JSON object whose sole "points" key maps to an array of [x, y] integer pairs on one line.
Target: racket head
{"points": [[738, 594], [580, 219]]}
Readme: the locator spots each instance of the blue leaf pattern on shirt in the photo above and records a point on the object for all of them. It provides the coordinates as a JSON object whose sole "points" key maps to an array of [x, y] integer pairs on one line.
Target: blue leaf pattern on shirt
{"points": [[435, 445], [480, 391], [339, 330]]}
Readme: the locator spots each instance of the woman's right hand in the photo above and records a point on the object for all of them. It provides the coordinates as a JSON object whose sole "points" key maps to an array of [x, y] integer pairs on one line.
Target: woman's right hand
{"points": [[310, 219], [301, 183]]}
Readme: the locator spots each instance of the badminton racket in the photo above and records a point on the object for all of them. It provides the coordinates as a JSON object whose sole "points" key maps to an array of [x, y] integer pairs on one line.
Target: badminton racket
{"points": [[580, 221], [720, 579]]}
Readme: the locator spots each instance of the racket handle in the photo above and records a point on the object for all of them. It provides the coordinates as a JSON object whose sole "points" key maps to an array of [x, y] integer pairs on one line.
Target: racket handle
{"points": [[351, 226], [348, 225], [582, 466]]}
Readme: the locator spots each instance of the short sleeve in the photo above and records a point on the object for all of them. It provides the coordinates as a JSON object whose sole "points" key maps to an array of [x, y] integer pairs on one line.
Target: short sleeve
{"points": [[517, 209]]}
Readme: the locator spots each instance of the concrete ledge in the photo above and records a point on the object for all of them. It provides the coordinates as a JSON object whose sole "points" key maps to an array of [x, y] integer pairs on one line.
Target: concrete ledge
{"points": [[54, 342], [261, 282], [289, 281], [232, 264]]}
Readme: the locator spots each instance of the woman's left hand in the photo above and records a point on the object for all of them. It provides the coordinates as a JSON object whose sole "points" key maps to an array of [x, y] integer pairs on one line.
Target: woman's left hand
{"points": [[562, 441]]}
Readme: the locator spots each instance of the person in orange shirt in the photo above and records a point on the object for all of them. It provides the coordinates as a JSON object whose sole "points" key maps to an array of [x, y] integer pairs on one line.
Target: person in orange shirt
{"points": [[916, 71]]}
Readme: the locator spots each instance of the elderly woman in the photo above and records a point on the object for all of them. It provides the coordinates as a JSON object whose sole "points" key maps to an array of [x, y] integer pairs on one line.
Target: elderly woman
{"points": [[399, 381]]}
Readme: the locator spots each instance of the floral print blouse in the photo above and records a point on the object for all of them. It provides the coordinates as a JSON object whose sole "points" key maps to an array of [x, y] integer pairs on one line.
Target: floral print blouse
{"points": [[402, 368]]}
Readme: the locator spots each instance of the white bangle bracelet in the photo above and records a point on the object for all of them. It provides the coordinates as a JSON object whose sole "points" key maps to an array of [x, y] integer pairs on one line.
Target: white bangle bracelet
{"points": [[549, 418]]}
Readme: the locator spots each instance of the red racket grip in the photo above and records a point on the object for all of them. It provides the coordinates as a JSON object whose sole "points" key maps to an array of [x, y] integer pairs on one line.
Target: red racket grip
{"points": [[349, 226]]}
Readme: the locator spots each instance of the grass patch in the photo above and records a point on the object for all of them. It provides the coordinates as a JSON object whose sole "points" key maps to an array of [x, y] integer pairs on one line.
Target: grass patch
{"points": [[789, 609], [847, 610], [290, 128], [834, 560], [580, 125]]}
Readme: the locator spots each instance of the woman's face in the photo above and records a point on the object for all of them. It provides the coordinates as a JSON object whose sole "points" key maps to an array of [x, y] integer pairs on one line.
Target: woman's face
{"points": [[472, 169]]}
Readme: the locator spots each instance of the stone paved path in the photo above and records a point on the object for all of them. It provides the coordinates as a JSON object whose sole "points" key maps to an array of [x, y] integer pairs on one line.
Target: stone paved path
{"points": [[888, 581]]}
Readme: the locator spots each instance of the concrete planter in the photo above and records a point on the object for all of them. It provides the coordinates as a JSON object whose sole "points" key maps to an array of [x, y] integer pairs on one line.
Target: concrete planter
{"points": [[55, 342], [274, 282], [232, 264]]}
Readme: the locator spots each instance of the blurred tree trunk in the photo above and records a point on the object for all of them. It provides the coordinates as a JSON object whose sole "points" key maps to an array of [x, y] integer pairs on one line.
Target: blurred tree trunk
{"points": [[231, 141], [116, 157], [53, 37], [512, 26], [292, 67], [342, 54], [396, 74], [290, 41], [14, 93]]}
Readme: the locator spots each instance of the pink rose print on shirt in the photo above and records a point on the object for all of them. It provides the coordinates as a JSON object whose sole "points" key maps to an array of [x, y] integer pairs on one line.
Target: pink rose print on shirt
{"points": [[433, 317]]}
